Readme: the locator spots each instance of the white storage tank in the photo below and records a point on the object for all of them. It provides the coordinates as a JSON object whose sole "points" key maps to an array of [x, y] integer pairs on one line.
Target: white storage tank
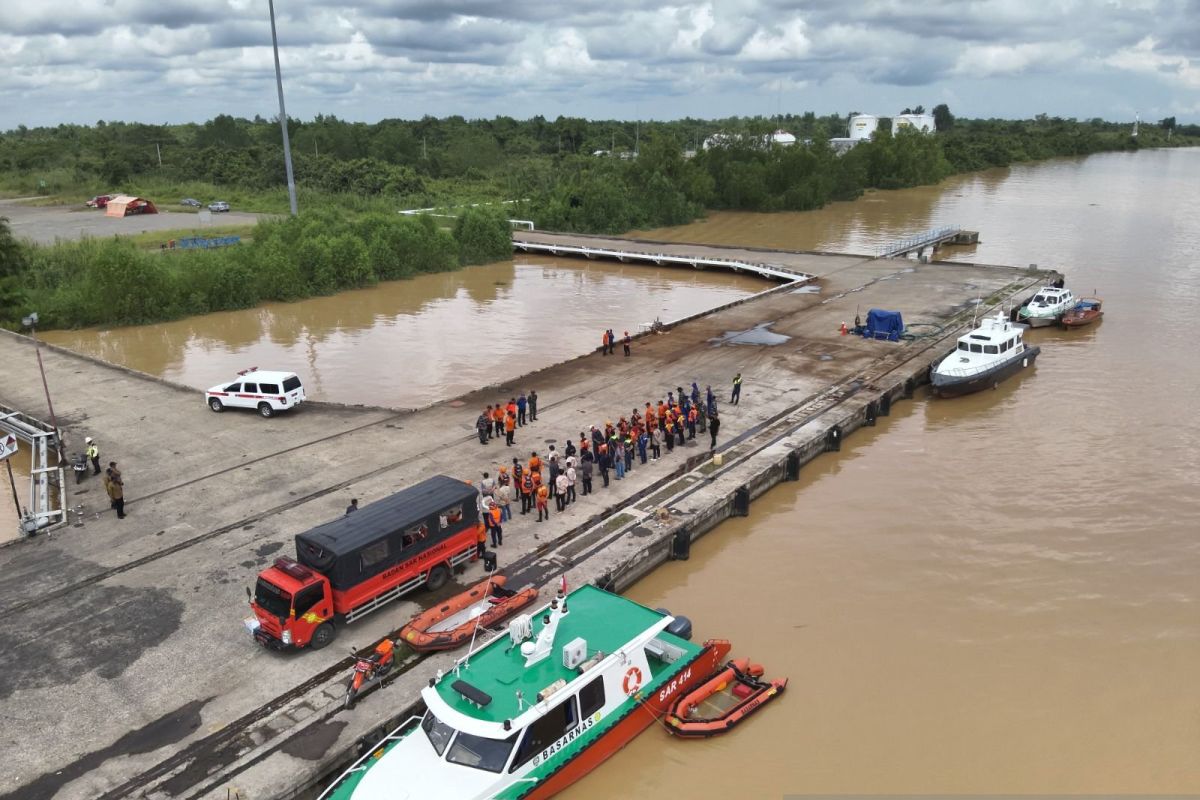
{"points": [[922, 123], [862, 126]]}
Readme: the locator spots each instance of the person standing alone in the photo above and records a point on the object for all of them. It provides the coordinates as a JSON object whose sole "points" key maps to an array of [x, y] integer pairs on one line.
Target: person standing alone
{"points": [[93, 454], [625, 344], [737, 389]]}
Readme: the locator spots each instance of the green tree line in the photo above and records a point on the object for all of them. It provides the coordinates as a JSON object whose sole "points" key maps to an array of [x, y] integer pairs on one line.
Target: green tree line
{"points": [[113, 282]]}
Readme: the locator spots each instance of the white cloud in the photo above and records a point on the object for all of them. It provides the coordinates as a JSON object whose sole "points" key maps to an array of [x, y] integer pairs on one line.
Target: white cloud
{"points": [[1145, 58], [992, 60]]}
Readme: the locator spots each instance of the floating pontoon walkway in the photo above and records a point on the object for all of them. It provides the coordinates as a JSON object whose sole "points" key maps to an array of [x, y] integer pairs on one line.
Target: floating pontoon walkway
{"points": [[659, 254]]}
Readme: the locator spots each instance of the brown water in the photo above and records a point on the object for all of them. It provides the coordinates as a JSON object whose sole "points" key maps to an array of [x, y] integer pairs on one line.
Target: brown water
{"points": [[407, 343], [996, 594], [999, 593]]}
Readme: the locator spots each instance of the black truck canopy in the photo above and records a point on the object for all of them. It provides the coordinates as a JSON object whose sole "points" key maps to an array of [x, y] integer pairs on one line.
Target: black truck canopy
{"points": [[364, 543]]}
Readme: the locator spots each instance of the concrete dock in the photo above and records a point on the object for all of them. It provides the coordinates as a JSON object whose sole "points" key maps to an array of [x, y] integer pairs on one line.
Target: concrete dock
{"points": [[126, 671]]}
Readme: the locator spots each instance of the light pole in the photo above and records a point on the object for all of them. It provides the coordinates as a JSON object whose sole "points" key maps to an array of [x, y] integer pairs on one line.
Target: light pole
{"points": [[31, 323], [287, 147]]}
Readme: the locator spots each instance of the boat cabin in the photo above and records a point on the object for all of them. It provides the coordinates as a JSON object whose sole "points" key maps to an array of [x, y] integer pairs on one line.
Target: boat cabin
{"points": [[995, 340], [1049, 297], [513, 710]]}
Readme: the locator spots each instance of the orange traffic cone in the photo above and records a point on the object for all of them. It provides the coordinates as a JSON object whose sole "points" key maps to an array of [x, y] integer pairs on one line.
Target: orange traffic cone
{"points": [[844, 329]]}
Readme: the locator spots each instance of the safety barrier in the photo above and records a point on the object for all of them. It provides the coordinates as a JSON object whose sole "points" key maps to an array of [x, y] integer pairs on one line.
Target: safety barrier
{"points": [[203, 243]]}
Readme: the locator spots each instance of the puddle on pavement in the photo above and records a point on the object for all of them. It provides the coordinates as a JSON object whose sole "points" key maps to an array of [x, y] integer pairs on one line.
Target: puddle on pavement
{"points": [[756, 335]]}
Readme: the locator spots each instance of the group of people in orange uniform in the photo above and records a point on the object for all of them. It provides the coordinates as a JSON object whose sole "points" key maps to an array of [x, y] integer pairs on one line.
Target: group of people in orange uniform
{"points": [[610, 450], [506, 418]]}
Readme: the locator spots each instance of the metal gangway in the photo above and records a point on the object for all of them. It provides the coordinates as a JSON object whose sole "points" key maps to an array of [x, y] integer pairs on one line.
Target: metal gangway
{"points": [[774, 271], [918, 242], [47, 500]]}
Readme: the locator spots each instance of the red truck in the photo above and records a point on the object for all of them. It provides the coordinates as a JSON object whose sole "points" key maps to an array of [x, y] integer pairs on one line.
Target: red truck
{"points": [[351, 566]]}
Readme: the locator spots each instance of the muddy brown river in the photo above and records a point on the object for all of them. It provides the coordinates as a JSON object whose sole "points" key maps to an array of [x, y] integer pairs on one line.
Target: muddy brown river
{"points": [[995, 594]]}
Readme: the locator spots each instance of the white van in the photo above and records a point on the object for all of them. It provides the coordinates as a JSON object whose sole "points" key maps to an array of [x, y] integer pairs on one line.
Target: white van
{"points": [[267, 391]]}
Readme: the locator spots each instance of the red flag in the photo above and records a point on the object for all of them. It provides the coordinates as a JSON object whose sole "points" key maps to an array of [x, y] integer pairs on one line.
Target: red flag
{"points": [[564, 586]]}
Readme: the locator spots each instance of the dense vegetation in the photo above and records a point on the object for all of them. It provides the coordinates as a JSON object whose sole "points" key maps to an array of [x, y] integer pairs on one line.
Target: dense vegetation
{"points": [[570, 174], [112, 281]]}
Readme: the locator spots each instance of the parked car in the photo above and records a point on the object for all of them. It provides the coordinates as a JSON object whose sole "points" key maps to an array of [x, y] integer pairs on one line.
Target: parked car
{"points": [[99, 201], [267, 391], [219, 205], [190, 201]]}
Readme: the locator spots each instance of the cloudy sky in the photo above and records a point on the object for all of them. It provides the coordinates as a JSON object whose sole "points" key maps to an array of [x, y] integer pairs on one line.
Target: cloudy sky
{"points": [[188, 60]]}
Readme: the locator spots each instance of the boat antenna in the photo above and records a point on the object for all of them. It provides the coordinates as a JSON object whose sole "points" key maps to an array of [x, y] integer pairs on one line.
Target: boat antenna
{"points": [[475, 631], [975, 314]]}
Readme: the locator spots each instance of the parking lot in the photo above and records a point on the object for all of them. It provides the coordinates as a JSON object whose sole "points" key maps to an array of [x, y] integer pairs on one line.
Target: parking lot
{"points": [[47, 224]]}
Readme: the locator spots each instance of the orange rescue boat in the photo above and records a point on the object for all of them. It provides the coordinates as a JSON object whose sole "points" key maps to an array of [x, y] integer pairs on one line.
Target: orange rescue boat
{"points": [[721, 702], [452, 623]]}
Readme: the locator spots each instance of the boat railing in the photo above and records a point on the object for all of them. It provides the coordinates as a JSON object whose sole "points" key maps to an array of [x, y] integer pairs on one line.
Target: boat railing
{"points": [[358, 766], [966, 372]]}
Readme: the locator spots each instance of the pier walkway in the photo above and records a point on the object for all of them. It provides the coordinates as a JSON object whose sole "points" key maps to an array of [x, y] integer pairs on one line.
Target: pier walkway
{"points": [[931, 239], [181, 703], [771, 264]]}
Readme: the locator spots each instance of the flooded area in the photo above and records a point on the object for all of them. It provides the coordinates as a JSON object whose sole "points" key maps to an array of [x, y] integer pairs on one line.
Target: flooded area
{"points": [[992, 594], [406, 344]]}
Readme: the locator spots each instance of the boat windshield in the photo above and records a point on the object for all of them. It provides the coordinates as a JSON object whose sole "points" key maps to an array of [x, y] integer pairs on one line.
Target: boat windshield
{"points": [[480, 753], [272, 599], [439, 733]]}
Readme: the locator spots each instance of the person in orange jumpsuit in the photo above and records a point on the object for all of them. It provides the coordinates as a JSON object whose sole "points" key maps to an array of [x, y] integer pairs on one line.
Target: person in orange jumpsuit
{"points": [[510, 427], [543, 498]]}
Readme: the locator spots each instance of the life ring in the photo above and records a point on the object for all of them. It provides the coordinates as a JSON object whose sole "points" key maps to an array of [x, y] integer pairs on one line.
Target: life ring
{"points": [[633, 680]]}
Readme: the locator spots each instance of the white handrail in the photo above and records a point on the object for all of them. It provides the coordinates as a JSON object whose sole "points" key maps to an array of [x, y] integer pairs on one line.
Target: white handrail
{"points": [[357, 765]]}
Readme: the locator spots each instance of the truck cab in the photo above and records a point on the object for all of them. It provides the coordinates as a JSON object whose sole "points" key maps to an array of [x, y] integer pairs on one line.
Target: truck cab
{"points": [[293, 607]]}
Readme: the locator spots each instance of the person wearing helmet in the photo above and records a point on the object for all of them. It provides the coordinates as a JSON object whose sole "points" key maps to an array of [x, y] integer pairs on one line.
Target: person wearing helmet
{"points": [[93, 454]]}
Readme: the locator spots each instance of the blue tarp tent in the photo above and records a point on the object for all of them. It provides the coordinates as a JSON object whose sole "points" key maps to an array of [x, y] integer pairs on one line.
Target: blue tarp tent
{"points": [[883, 325]]}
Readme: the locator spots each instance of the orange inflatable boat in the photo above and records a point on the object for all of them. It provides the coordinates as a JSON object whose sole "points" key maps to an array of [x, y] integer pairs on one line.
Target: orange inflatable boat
{"points": [[450, 624], [721, 702]]}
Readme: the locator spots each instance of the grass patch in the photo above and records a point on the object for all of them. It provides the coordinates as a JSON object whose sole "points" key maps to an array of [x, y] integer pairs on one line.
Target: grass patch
{"points": [[618, 521]]}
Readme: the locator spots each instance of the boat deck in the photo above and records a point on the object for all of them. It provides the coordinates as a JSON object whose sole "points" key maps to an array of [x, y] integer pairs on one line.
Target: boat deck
{"points": [[499, 670]]}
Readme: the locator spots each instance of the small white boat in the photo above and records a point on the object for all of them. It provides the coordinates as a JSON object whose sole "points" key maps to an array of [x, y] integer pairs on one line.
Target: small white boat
{"points": [[983, 358], [1046, 307]]}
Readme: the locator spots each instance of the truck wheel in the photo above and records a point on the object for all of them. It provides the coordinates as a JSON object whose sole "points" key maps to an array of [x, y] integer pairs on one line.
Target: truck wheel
{"points": [[215, 405], [437, 578], [266, 410], [323, 635]]}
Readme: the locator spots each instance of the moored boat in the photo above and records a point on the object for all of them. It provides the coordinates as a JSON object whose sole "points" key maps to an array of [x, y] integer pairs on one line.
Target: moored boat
{"points": [[728, 697], [452, 623], [527, 714], [1046, 307], [1085, 311], [984, 357]]}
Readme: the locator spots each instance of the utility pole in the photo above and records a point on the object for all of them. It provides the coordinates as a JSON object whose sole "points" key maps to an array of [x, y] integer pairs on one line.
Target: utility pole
{"points": [[283, 120], [158, 150], [31, 322]]}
